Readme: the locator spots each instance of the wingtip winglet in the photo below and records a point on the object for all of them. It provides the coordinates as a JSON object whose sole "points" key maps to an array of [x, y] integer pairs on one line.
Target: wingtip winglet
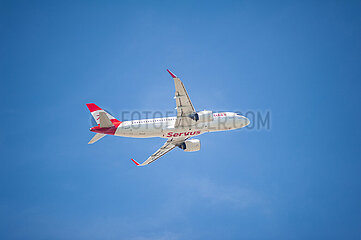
{"points": [[173, 76], [136, 163]]}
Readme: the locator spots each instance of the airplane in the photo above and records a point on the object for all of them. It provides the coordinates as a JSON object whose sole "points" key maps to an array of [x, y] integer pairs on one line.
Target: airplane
{"points": [[177, 130]]}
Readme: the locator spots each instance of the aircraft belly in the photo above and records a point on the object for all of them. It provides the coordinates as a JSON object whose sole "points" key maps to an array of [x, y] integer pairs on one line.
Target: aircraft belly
{"points": [[140, 131]]}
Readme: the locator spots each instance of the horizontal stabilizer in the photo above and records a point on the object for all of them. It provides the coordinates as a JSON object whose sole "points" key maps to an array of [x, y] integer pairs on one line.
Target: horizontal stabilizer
{"points": [[97, 137]]}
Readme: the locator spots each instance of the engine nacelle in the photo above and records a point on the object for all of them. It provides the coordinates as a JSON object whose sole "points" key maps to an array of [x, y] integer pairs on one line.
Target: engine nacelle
{"points": [[202, 116], [191, 145]]}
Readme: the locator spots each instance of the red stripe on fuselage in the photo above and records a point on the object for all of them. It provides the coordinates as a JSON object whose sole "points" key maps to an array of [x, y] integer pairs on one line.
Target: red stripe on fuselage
{"points": [[115, 121], [109, 131]]}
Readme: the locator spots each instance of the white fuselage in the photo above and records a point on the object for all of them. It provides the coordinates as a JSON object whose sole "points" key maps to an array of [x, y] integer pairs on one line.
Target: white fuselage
{"points": [[164, 127]]}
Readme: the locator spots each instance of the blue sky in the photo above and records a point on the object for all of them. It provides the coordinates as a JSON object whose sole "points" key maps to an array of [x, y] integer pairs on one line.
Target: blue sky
{"points": [[299, 60]]}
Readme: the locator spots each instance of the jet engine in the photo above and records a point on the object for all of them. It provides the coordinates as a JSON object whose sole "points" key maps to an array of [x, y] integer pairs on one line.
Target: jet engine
{"points": [[202, 116], [191, 145]]}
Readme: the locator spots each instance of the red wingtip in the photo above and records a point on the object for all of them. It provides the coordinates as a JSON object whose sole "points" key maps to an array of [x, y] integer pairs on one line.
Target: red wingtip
{"points": [[92, 107], [136, 163], [173, 76]]}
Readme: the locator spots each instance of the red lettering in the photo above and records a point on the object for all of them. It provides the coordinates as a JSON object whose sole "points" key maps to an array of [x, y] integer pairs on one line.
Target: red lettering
{"points": [[171, 134]]}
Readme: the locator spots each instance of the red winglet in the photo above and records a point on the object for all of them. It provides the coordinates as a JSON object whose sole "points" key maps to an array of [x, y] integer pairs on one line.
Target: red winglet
{"points": [[173, 76], [136, 163]]}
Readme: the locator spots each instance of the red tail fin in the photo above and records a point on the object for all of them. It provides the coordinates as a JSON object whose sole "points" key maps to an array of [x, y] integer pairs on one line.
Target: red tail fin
{"points": [[95, 110]]}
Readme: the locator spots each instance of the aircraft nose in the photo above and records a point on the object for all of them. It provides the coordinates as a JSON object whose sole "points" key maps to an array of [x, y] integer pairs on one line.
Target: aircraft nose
{"points": [[243, 121], [247, 121]]}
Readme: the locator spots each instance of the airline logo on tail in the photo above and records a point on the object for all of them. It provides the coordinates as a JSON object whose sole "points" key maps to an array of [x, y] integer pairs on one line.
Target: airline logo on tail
{"points": [[107, 124], [96, 112]]}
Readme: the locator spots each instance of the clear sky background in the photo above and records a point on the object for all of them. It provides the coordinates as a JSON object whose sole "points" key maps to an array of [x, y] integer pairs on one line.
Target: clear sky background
{"points": [[299, 60]]}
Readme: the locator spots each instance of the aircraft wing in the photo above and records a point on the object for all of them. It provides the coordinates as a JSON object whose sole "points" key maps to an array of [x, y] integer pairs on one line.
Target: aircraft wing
{"points": [[183, 102], [167, 147], [96, 137]]}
